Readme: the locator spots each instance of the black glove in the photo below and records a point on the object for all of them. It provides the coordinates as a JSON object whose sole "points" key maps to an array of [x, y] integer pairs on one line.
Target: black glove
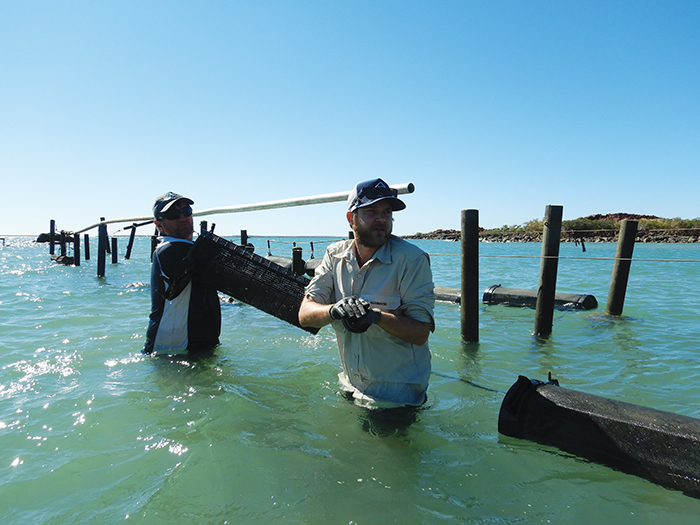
{"points": [[189, 269], [348, 307], [360, 324], [355, 313]]}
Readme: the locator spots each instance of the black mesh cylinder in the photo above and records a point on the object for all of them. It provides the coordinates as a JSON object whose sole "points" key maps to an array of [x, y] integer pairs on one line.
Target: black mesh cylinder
{"points": [[243, 275], [498, 294], [660, 446]]}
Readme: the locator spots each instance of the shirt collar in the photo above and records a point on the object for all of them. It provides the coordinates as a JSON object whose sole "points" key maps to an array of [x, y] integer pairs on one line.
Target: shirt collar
{"points": [[383, 254], [167, 238]]}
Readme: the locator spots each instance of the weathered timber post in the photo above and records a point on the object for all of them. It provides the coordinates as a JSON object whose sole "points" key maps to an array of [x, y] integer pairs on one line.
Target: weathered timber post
{"points": [[87, 247], [101, 248], [76, 249], [52, 236], [547, 287], [621, 268], [297, 261], [64, 251], [131, 241], [244, 237], [469, 307], [154, 242], [115, 253]]}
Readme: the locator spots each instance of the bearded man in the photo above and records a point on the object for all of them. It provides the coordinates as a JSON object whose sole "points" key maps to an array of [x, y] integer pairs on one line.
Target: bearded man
{"points": [[377, 292]]}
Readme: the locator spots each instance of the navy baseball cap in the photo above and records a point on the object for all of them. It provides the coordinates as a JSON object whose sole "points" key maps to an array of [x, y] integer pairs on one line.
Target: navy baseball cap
{"points": [[371, 191], [165, 201]]}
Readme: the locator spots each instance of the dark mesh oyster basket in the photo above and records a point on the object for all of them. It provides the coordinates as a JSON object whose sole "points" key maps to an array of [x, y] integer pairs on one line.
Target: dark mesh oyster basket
{"points": [[243, 275]]}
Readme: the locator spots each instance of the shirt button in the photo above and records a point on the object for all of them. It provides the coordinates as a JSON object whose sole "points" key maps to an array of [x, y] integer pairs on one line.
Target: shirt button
{"points": [[360, 276]]}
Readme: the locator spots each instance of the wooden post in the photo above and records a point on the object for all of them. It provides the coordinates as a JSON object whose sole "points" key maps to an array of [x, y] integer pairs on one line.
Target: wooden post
{"points": [[621, 268], [244, 237], [76, 249], [470, 276], [115, 253], [297, 261], [63, 243], [154, 242], [131, 241], [87, 247], [547, 287], [52, 236], [101, 248]]}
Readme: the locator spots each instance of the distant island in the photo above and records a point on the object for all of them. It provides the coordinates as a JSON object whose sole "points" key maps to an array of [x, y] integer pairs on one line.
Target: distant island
{"points": [[593, 228]]}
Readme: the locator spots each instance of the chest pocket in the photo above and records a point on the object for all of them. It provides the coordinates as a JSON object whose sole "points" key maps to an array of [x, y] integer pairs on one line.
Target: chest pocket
{"points": [[383, 302]]}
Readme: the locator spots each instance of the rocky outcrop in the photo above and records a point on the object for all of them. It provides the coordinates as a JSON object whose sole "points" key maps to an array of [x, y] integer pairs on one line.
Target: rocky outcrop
{"points": [[609, 234], [615, 217], [445, 235], [659, 236]]}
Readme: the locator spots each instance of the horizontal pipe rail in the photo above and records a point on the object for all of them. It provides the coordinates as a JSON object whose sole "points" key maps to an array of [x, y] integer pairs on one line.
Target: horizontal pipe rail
{"points": [[285, 203]]}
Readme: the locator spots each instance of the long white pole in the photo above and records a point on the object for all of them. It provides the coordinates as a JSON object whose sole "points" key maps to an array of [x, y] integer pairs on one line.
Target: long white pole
{"points": [[285, 203]]}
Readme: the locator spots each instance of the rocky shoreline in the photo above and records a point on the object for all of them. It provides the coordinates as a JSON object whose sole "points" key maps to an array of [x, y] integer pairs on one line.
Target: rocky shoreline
{"points": [[654, 236]]}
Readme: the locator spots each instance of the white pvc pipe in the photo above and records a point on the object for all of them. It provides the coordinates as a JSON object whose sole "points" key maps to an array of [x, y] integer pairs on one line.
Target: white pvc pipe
{"points": [[285, 203]]}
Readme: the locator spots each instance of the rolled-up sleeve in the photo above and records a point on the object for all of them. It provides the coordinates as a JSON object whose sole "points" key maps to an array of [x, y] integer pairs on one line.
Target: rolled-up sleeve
{"points": [[417, 291], [322, 286]]}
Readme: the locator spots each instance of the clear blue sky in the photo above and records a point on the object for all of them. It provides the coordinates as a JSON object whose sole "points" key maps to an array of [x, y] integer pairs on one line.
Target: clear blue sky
{"points": [[500, 106]]}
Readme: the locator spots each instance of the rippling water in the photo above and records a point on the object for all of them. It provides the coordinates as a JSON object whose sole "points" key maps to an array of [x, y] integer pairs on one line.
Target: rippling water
{"points": [[92, 431]]}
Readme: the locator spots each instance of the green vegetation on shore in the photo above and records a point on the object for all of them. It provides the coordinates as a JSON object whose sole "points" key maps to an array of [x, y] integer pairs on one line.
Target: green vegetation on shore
{"points": [[594, 228], [589, 224]]}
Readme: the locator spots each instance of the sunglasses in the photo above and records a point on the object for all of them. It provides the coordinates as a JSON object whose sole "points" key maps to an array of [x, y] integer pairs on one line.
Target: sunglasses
{"points": [[173, 215], [375, 193]]}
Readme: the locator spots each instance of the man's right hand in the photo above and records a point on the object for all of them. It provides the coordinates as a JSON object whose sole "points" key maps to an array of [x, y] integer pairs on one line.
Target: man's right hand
{"points": [[352, 307], [356, 314]]}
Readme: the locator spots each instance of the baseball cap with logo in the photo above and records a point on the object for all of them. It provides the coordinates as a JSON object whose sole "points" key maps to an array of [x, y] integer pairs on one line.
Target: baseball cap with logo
{"points": [[165, 201], [371, 191]]}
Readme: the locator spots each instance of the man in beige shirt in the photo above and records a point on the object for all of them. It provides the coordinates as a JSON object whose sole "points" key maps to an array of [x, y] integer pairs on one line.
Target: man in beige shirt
{"points": [[377, 291]]}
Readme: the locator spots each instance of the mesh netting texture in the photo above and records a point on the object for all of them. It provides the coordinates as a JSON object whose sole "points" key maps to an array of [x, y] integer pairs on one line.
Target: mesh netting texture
{"points": [[238, 272], [660, 446]]}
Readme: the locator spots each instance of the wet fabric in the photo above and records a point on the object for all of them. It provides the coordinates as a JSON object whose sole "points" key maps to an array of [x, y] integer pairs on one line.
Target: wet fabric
{"points": [[378, 366], [184, 316]]}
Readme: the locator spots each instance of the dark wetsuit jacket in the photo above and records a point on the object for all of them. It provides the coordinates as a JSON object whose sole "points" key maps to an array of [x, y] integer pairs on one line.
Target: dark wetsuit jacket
{"points": [[192, 318]]}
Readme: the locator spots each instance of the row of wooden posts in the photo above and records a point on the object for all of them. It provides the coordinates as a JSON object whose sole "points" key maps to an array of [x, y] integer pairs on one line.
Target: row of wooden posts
{"points": [[65, 238], [470, 293], [549, 261], [103, 244]]}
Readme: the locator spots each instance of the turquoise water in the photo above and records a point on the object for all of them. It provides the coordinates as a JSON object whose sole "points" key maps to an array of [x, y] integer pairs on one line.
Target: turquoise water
{"points": [[93, 432]]}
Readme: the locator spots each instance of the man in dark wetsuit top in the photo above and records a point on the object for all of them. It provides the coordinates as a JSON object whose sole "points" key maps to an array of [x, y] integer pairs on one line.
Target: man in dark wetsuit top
{"points": [[185, 313]]}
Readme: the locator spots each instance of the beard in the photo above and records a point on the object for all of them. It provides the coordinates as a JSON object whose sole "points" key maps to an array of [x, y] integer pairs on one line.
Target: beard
{"points": [[184, 231], [372, 237], [179, 230]]}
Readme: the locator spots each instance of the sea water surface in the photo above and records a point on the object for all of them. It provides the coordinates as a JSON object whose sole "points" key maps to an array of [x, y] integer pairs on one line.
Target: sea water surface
{"points": [[92, 431]]}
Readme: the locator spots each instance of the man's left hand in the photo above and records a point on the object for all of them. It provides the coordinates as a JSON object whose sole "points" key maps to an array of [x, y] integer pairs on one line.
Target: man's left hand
{"points": [[360, 324]]}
